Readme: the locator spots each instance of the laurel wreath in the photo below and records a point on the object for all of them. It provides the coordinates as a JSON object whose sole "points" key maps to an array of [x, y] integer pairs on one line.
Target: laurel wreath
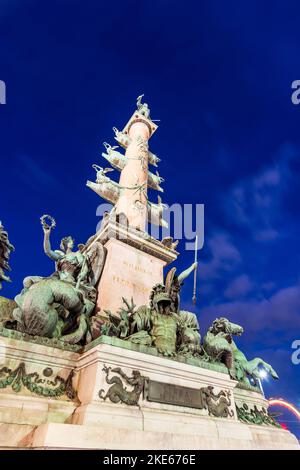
{"points": [[44, 223]]}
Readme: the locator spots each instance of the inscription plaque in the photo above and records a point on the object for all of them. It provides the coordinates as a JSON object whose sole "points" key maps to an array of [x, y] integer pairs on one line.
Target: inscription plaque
{"points": [[170, 394]]}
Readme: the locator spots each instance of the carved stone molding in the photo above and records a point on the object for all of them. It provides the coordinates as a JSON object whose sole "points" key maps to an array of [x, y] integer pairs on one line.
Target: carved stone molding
{"points": [[51, 342], [45, 387]]}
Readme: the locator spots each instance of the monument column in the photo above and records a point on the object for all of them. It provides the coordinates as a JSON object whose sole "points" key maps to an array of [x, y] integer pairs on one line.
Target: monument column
{"points": [[134, 176], [134, 260]]}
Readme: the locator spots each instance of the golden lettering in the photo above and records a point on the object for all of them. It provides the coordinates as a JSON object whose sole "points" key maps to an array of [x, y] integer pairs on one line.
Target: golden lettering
{"points": [[127, 283], [136, 267]]}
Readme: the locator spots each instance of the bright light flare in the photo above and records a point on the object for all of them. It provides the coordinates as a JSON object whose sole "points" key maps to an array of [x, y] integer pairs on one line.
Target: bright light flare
{"points": [[285, 404], [263, 374]]}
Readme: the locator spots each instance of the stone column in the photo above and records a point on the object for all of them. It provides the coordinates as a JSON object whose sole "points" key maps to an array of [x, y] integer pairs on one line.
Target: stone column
{"points": [[133, 179]]}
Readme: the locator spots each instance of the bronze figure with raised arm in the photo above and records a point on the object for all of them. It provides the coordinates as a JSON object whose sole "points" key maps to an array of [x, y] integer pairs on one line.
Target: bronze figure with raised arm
{"points": [[59, 306]]}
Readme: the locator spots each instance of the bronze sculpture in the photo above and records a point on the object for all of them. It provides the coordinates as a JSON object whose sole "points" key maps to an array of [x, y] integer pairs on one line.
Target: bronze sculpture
{"points": [[156, 325], [118, 392], [142, 108], [219, 345], [59, 306], [5, 250], [174, 282]]}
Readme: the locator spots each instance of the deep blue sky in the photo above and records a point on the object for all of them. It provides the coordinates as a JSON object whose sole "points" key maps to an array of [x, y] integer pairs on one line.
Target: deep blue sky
{"points": [[218, 74]]}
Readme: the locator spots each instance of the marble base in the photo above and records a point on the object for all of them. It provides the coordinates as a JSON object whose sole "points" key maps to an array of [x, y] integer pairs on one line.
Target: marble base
{"points": [[46, 363], [28, 420], [94, 410], [128, 272], [134, 264], [210, 435]]}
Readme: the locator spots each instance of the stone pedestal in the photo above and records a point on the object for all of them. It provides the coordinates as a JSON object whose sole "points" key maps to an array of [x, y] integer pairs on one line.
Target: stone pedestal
{"points": [[31, 421], [134, 264], [34, 388], [128, 273], [148, 415], [210, 435]]}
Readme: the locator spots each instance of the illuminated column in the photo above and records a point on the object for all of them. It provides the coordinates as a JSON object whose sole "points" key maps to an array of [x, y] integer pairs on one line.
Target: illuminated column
{"points": [[134, 176]]}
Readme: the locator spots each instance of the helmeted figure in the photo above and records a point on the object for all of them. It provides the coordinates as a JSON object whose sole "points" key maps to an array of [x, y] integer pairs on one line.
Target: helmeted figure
{"points": [[174, 282], [157, 325], [5, 249]]}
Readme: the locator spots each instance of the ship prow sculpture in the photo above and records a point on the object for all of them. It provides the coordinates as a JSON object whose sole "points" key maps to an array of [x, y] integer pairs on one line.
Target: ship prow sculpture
{"points": [[100, 354], [131, 192]]}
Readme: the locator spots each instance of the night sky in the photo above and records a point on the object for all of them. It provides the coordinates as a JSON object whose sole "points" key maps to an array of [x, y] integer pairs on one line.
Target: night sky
{"points": [[218, 75]]}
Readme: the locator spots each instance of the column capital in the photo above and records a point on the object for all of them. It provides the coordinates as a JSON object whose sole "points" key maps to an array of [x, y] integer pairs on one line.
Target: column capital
{"points": [[138, 117]]}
